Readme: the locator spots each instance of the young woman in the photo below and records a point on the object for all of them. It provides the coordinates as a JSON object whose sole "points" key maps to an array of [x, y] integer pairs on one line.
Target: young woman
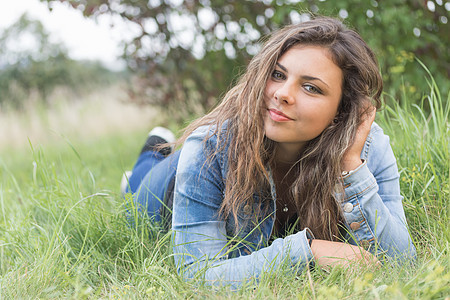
{"points": [[288, 169]]}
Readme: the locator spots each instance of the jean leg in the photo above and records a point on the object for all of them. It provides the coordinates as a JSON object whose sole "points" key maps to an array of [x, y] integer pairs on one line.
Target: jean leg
{"points": [[145, 162], [150, 194]]}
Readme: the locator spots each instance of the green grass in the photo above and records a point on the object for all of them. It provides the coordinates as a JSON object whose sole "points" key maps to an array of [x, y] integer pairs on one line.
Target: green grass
{"points": [[63, 231]]}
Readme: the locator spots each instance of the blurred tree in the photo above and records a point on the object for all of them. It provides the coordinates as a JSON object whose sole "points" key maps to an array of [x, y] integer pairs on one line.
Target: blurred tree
{"points": [[187, 52], [30, 63], [23, 47]]}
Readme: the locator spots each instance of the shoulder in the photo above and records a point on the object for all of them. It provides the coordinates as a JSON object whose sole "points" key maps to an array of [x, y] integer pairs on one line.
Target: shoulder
{"points": [[201, 169], [205, 143], [377, 150], [208, 136]]}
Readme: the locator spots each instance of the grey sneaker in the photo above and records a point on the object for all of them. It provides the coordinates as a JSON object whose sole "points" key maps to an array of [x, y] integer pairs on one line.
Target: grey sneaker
{"points": [[124, 182], [157, 136], [164, 133]]}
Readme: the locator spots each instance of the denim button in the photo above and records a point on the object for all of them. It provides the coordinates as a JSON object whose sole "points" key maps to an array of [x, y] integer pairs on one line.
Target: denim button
{"points": [[348, 207], [364, 243], [355, 226]]}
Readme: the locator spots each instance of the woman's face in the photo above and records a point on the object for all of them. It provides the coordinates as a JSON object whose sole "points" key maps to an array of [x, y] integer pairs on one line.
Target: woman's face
{"points": [[302, 96]]}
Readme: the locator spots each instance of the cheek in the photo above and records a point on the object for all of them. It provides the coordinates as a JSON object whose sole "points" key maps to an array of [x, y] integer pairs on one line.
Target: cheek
{"points": [[268, 90], [267, 99]]}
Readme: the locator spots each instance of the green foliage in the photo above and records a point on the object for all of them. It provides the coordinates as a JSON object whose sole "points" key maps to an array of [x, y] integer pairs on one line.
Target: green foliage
{"points": [[424, 164], [41, 67], [62, 233], [63, 230], [188, 52]]}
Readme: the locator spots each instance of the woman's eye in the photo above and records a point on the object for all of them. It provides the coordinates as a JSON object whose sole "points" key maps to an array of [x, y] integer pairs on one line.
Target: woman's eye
{"points": [[278, 75], [312, 89]]}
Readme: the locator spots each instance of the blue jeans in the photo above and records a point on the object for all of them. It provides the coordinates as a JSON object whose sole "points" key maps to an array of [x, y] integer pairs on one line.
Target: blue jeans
{"points": [[151, 181]]}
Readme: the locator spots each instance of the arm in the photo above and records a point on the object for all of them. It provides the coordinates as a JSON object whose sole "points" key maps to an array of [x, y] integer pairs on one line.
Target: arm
{"points": [[372, 202], [201, 246]]}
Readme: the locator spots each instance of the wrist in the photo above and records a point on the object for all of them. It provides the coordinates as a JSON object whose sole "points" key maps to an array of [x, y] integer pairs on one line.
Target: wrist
{"points": [[351, 164]]}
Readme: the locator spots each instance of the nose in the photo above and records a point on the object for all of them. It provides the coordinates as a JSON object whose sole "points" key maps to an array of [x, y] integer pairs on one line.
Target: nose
{"points": [[285, 94]]}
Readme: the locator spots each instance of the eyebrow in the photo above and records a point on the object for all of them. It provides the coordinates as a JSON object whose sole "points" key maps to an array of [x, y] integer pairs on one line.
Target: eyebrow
{"points": [[282, 67], [306, 77]]}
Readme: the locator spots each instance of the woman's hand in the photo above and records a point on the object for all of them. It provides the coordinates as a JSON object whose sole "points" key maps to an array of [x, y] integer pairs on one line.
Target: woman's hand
{"points": [[328, 253], [352, 158]]}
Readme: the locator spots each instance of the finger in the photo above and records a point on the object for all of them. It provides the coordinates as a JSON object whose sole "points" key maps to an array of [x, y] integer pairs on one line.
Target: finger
{"points": [[368, 116], [371, 114], [372, 259], [366, 123]]}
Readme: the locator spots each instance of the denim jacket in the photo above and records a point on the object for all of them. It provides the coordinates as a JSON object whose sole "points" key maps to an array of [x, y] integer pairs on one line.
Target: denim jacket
{"points": [[207, 246]]}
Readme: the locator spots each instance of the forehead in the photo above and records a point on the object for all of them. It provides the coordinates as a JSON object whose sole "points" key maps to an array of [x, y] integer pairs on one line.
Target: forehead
{"points": [[311, 60], [313, 50]]}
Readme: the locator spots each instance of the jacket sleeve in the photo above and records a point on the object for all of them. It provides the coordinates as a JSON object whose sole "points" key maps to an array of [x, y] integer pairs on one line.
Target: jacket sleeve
{"points": [[372, 205], [201, 245]]}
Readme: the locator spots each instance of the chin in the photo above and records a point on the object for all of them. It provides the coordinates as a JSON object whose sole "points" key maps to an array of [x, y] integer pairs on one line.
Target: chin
{"points": [[277, 137]]}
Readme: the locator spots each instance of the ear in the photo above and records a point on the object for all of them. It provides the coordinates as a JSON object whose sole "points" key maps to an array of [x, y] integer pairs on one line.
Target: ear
{"points": [[337, 116]]}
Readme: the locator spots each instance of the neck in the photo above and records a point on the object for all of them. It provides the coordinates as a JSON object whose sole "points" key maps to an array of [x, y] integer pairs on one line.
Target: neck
{"points": [[287, 154]]}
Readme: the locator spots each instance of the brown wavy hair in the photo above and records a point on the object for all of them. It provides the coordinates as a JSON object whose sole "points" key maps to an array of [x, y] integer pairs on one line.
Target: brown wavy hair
{"points": [[319, 165]]}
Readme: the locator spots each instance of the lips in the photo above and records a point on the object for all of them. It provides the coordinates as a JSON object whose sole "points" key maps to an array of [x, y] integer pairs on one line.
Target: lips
{"points": [[278, 116]]}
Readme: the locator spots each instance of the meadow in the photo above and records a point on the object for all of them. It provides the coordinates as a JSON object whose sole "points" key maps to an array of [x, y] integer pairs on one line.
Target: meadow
{"points": [[64, 234]]}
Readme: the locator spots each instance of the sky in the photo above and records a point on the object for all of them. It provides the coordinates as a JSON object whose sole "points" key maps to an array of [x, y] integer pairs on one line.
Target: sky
{"points": [[84, 38]]}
